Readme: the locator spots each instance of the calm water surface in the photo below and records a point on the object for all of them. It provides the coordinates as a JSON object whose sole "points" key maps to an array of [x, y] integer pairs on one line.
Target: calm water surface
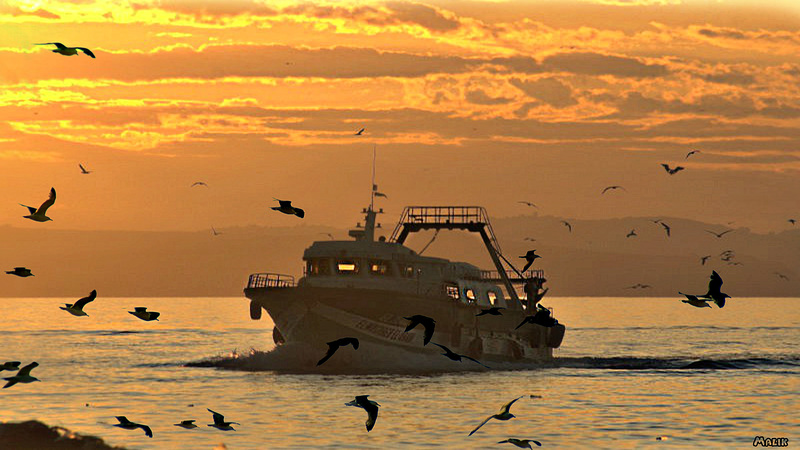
{"points": [[629, 370]]}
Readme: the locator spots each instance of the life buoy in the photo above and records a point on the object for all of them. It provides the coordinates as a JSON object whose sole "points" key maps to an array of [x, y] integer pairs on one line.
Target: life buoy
{"points": [[255, 310], [277, 337]]}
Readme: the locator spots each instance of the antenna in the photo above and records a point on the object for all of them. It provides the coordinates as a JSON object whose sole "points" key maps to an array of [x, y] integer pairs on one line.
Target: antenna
{"points": [[374, 188]]}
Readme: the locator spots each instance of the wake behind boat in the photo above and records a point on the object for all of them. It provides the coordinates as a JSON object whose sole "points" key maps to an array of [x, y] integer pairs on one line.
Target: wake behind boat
{"points": [[364, 288]]}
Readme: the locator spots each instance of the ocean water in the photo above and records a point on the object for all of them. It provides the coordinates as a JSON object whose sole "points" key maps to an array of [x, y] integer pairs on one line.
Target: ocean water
{"points": [[629, 370]]}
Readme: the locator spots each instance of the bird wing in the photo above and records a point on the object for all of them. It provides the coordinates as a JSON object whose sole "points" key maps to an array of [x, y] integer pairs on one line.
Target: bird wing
{"points": [[89, 52], [666, 227], [31, 209], [567, 224], [677, 169], [80, 303], [724, 232], [372, 414], [429, 326], [604, 190], [49, 202], [524, 321], [473, 359], [27, 369], [140, 309], [443, 347], [349, 340], [154, 315], [720, 301], [482, 424], [414, 322], [57, 44], [299, 212], [83, 169], [147, 431], [218, 418], [122, 420], [715, 284], [285, 203], [332, 347], [507, 406], [665, 166]]}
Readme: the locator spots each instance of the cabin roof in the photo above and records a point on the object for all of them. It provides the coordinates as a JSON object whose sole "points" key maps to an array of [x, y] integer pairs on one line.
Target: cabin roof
{"points": [[367, 249]]}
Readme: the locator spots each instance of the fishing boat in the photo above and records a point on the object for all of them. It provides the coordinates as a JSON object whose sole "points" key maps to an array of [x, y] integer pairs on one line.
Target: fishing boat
{"points": [[365, 287]]}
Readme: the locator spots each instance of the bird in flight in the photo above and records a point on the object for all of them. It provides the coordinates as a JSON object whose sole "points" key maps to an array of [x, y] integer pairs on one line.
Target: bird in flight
{"points": [[493, 311], [567, 224], [199, 183], [126, 424], [370, 406], [503, 414], [703, 259], [334, 345], [632, 233], [38, 215], [529, 239], [77, 308], [9, 365], [691, 153], [611, 188], [83, 169], [694, 301], [142, 313], [68, 51], [719, 235], [20, 272], [456, 357], [530, 257], [714, 287], [23, 376], [670, 170], [426, 322], [781, 276], [219, 422], [666, 227], [528, 203], [541, 317], [638, 286], [792, 221], [360, 132], [214, 231], [287, 208], [521, 443], [188, 424]]}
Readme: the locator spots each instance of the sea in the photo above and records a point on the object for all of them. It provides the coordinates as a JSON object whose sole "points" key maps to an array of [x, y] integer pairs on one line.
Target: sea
{"points": [[631, 373]]}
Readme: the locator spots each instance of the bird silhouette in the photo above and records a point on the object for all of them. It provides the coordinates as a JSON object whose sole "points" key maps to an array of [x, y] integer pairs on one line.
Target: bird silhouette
{"points": [[83, 169], [611, 188], [631, 233], [199, 183], [521, 443], [334, 345], [493, 311], [714, 287], [142, 313], [792, 221], [428, 323], [370, 406], [503, 414], [68, 51], [529, 239], [672, 171], [691, 153], [9, 365], [220, 423], [703, 259], [666, 227], [360, 132], [638, 286], [77, 308], [20, 272], [457, 357], [22, 376], [126, 424], [38, 215], [528, 203], [567, 224], [287, 208], [781, 276], [718, 235], [541, 317], [214, 231], [694, 301], [188, 424], [530, 257]]}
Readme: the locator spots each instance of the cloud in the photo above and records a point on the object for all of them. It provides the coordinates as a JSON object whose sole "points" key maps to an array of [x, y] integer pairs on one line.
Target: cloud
{"points": [[549, 90], [589, 63], [480, 97], [389, 14], [6, 9]]}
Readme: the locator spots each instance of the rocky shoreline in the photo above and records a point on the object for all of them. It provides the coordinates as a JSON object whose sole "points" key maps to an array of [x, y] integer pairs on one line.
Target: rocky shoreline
{"points": [[35, 435]]}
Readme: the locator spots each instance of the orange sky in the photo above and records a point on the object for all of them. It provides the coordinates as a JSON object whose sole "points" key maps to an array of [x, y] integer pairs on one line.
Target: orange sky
{"points": [[468, 102]]}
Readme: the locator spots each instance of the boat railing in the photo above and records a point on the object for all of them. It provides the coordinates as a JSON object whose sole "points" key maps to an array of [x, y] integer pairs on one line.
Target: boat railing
{"points": [[493, 275], [270, 280], [417, 218]]}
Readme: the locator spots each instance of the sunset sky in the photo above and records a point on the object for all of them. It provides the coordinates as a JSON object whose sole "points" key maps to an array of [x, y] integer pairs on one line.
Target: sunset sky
{"points": [[468, 102]]}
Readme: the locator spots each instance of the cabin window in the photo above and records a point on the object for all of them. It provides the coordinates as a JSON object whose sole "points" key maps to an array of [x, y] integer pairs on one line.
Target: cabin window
{"points": [[318, 267], [407, 271], [492, 297], [347, 267], [379, 268], [470, 295], [452, 291]]}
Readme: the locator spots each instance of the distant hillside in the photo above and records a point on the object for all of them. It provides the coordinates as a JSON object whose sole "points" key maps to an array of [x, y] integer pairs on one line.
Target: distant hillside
{"points": [[595, 259]]}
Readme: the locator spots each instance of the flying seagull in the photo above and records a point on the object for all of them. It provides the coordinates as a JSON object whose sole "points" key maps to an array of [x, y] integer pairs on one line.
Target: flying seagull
{"points": [[23, 376], [83, 169], [126, 424], [38, 215], [703, 259], [9, 365], [215, 232], [20, 272], [334, 345], [142, 313], [567, 224], [504, 414], [530, 257], [529, 239], [714, 293], [792, 221], [219, 422], [199, 183], [719, 235], [456, 357], [694, 301], [287, 208], [426, 322], [670, 170], [691, 153], [371, 407], [612, 187], [638, 286], [68, 51], [781, 276], [360, 132], [521, 443], [528, 203], [77, 308], [188, 424], [631, 233], [666, 227], [493, 311], [541, 317]]}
